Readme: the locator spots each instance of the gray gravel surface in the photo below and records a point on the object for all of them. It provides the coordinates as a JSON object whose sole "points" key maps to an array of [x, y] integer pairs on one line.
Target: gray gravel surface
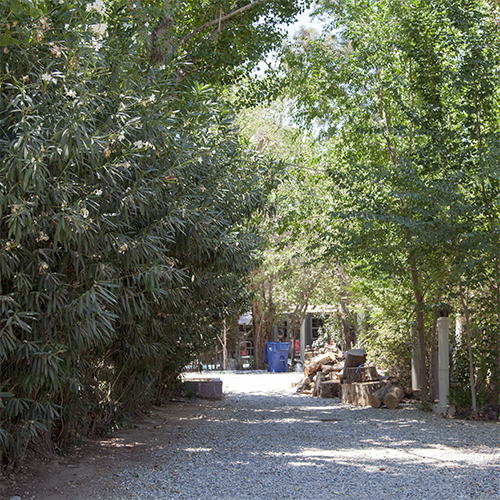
{"points": [[265, 442]]}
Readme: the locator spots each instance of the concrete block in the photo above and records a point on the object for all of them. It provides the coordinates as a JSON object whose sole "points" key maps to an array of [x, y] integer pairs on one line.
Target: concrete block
{"points": [[209, 388]]}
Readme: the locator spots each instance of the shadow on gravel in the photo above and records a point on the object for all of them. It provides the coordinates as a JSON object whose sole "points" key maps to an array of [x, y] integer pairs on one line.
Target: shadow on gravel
{"points": [[314, 446]]}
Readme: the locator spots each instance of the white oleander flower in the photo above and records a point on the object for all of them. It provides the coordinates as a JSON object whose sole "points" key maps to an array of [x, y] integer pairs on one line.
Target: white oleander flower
{"points": [[47, 77], [98, 6], [99, 28]]}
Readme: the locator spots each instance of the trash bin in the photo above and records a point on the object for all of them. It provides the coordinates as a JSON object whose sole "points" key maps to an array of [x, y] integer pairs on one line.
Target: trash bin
{"points": [[276, 356]]}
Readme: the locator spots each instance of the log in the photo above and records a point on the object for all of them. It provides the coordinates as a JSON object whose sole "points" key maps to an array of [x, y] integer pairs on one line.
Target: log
{"points": [[355, 358], [332, 368], [378, 397], [358, 393], [330, 389], [317, 363], [361, 374], [305, 383], [394, 396], [320, 377]]}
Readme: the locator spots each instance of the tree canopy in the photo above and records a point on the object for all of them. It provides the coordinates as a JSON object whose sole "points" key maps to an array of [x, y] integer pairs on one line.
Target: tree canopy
{"points": [[405, 94]]}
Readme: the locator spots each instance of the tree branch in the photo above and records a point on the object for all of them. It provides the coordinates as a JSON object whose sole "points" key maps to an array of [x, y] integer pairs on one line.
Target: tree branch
{"points": [[219, 20]]}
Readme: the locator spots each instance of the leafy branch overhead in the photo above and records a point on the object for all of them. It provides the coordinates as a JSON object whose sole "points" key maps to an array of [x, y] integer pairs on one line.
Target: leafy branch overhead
{"points": [[220, 41]]}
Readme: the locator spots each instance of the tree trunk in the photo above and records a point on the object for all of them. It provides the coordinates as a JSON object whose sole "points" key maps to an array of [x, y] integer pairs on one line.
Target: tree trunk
{"points": [[465, 305], [263, 318], [419, 300], [432, 363], [261, 334], [224, 345]]}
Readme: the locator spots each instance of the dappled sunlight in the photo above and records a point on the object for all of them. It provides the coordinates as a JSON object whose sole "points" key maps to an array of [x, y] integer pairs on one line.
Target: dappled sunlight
{"points": [[120, 443], [258, 442]]}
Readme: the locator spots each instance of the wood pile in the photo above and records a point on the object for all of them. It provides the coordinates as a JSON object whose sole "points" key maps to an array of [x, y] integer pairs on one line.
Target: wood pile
{"points": [[330, 374], [390, 394], [321, 373]]}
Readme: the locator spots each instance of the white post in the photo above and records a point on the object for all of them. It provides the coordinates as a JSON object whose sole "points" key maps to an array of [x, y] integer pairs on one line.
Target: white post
{"points": [[443, 407], [415, 361], [303, 340]]}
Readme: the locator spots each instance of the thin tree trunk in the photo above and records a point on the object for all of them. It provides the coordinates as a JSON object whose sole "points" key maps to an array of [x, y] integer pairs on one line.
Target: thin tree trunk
{"points": [[495, 384], [432, 363], [496, 376], [465, 305], [419, 299], [224, 345], [219, 20]]}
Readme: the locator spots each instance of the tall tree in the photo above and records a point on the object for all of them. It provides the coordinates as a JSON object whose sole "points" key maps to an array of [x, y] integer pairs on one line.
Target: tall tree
{"points": [[404, 90]]}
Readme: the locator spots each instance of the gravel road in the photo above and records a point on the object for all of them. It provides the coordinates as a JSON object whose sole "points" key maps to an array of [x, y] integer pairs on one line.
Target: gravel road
{"points": [[265, 442]]}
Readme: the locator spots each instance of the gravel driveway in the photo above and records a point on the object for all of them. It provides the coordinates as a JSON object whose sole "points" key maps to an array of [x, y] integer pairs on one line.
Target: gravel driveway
{"points": [[265, 442]]}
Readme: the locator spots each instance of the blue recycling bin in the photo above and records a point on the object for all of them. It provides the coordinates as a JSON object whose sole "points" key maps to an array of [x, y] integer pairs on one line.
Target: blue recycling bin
{"points": [[276, 356]]}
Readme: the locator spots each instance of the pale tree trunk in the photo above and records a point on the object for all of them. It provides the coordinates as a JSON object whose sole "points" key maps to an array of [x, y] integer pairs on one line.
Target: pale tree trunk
{"points": [[223, 342], [262, 325], [299, 313], [347, 337], [162, 43], [224, 345]]}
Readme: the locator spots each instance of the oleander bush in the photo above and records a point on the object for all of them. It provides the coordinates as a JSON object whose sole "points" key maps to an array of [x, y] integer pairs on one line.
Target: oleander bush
{"points": [[124, 199]]}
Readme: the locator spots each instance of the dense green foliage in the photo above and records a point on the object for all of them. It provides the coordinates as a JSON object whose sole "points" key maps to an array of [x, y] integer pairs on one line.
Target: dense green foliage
{"points": [[125, 201], [406, 95]]}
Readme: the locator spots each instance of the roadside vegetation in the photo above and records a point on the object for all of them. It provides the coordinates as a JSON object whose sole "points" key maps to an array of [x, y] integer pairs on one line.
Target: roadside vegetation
{"points": [[153, 187]]}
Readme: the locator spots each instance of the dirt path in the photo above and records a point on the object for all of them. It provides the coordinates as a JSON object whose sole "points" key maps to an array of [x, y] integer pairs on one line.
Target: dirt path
{"points": [[92, 470]]}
